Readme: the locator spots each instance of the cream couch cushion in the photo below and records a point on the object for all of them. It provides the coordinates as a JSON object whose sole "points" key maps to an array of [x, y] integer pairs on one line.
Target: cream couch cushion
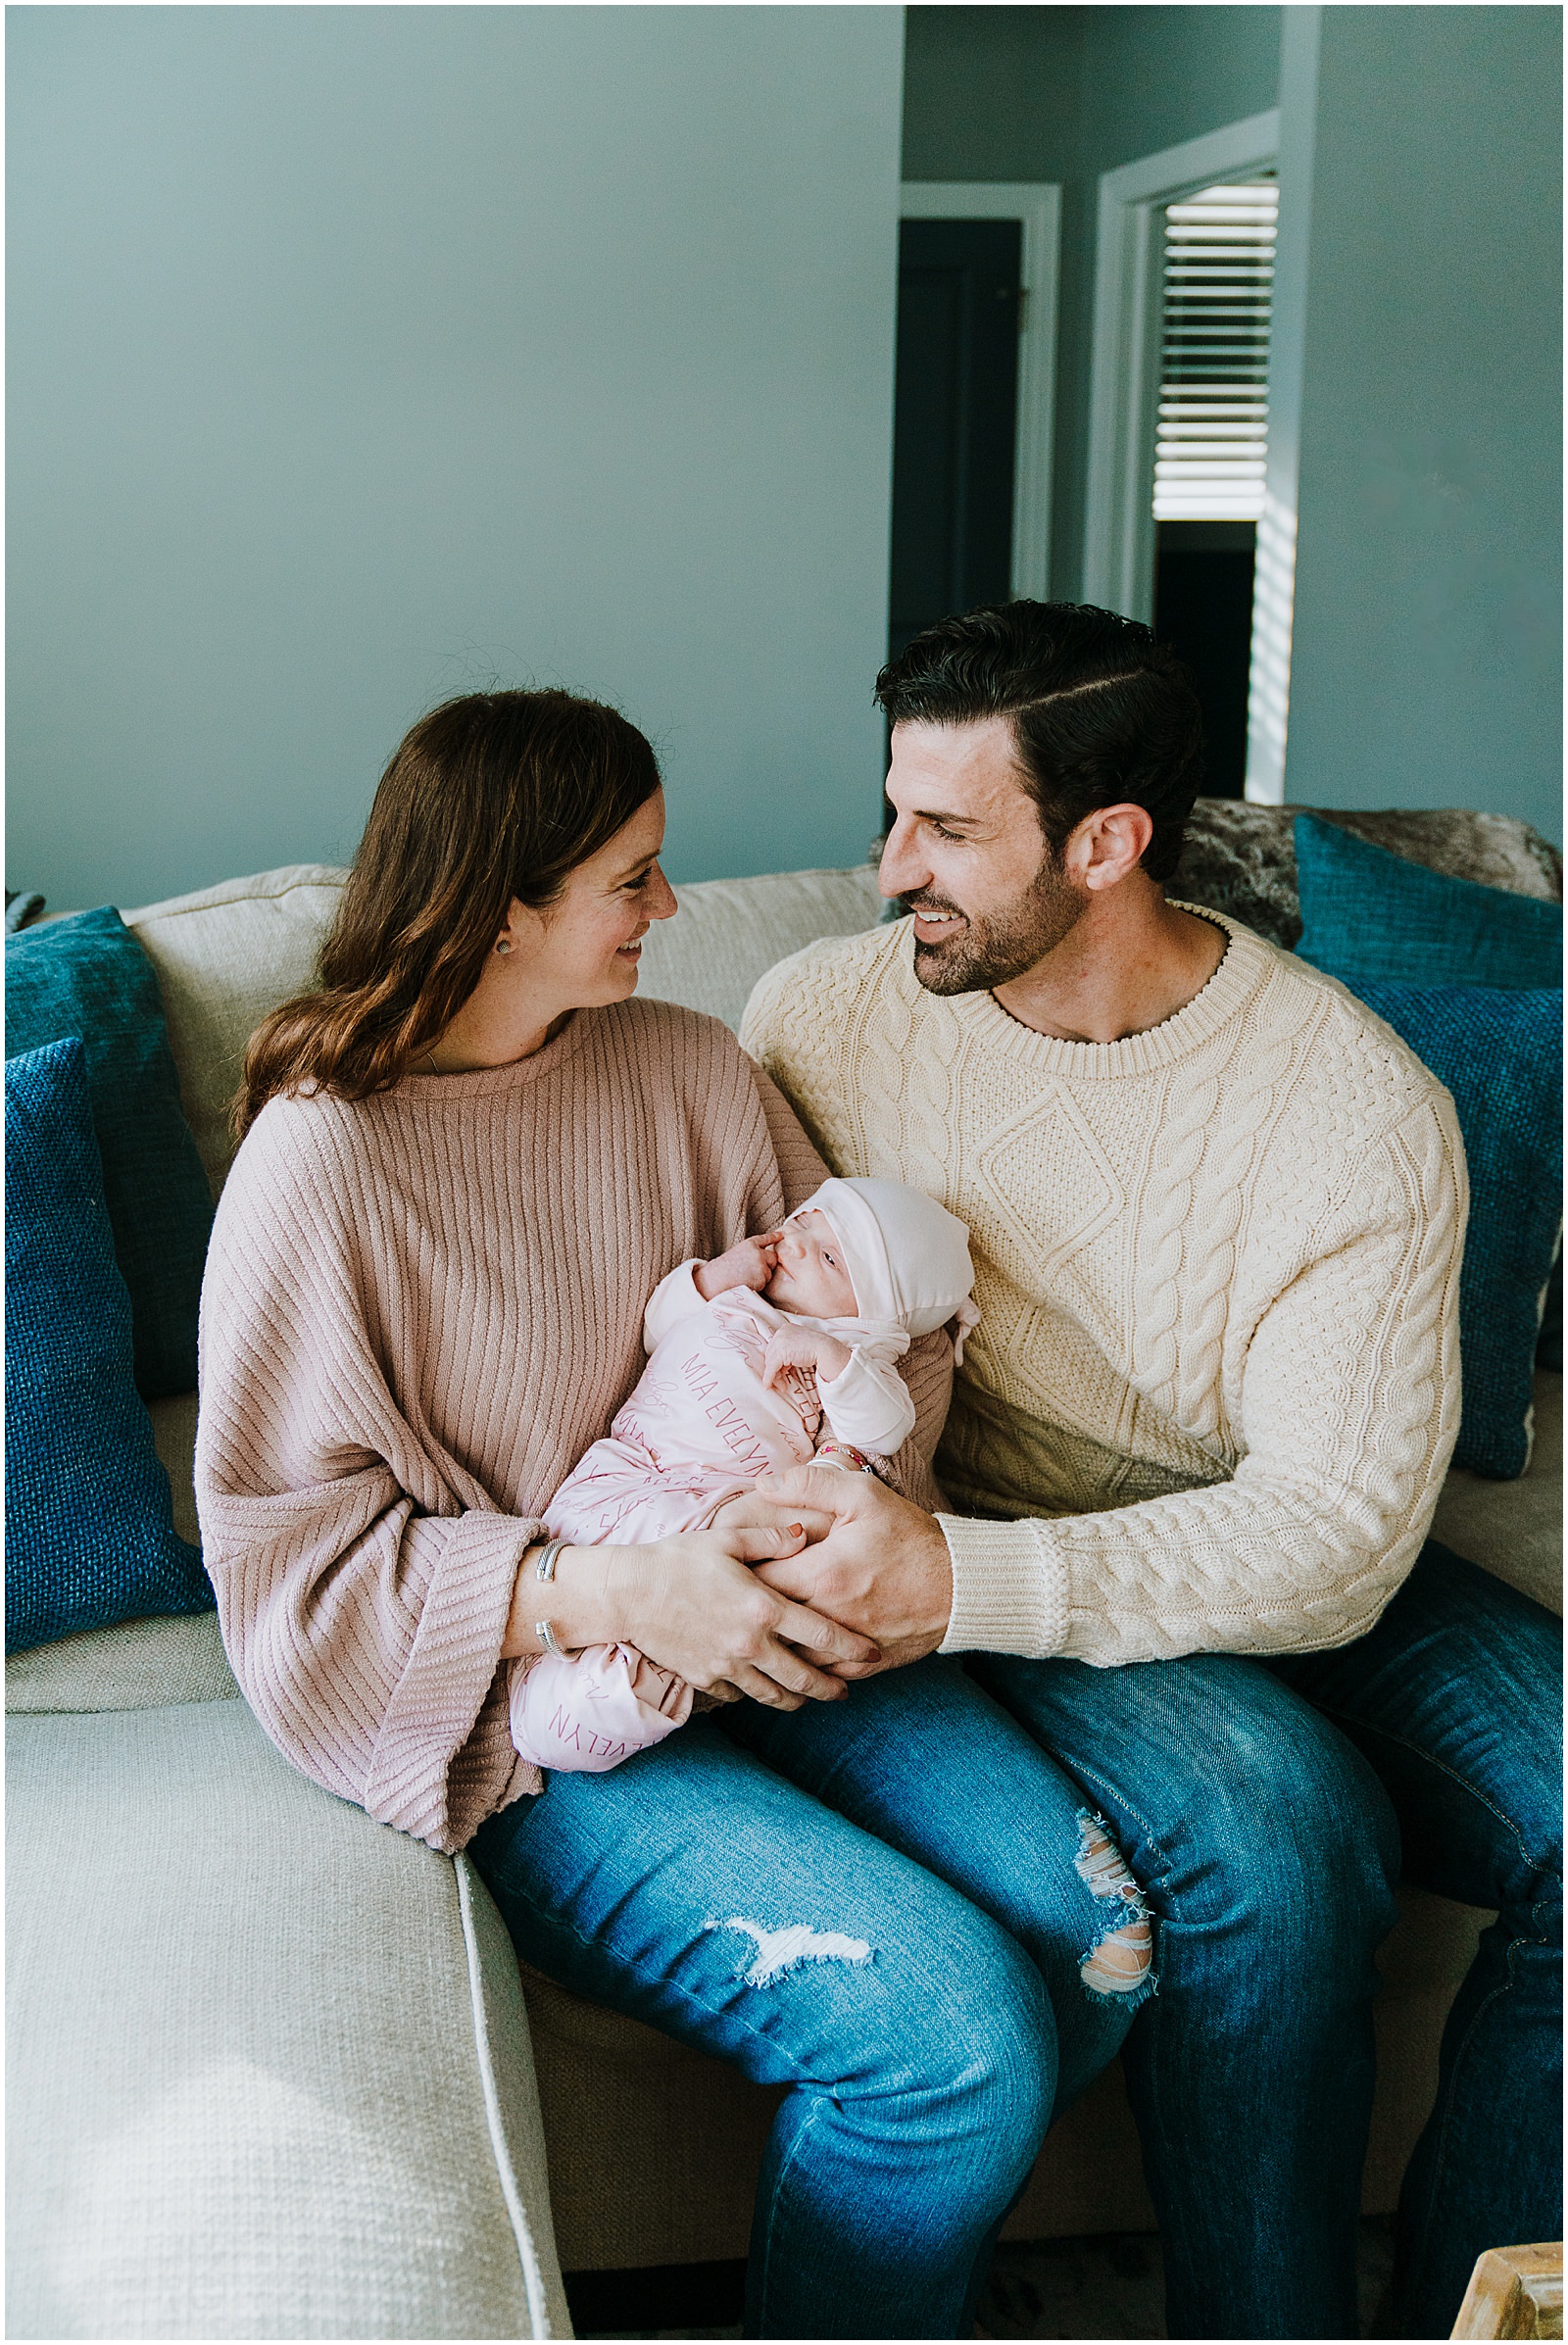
{"points": [[137, 1665], [225, 958], [730, 932], [270, 2072]]}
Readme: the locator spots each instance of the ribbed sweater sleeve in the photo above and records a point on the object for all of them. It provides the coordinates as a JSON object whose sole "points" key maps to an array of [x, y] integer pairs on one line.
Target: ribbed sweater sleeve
{"points": [[364, 1582], [800, 1168]]}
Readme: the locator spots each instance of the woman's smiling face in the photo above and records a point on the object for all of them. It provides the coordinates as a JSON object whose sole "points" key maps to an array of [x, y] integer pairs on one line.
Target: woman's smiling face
{"points": [[582, 950]]}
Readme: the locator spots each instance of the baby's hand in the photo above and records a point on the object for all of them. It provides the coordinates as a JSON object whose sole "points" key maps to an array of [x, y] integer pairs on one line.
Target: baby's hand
{"points": [[798, 1348], [751, 1264]]}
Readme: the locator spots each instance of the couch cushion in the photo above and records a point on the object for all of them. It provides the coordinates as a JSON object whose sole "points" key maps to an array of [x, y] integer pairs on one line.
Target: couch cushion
{"points": [[90, 1537], [1369, 916], [729, 932], [1499, 1054], [88, 976], [142, 1665], [268, 2068], [1240, 858], [226, 957]]}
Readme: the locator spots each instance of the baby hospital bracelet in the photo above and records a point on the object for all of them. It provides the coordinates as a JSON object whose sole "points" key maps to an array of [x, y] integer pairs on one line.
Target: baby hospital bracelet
{"points": [[834, 1453]]}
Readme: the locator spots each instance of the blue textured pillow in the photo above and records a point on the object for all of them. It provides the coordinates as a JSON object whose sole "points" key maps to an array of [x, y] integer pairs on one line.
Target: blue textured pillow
{"points": [[1500, 1055], [1368, 914], [87, 975], [90, 1536]]}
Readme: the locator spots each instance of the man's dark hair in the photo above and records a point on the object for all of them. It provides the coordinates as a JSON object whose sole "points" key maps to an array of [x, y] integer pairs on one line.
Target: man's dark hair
{"points": [[1101, 714]]}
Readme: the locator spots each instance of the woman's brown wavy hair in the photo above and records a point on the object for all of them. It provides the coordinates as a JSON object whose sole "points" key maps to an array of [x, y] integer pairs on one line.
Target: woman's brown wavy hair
{"points": [[493, 797]]}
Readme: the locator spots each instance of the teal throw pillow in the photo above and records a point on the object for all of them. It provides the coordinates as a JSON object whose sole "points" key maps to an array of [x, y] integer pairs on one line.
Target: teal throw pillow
{"points": [[90, 1537], [1500, 1056], [87, 975], [1368, 914]]}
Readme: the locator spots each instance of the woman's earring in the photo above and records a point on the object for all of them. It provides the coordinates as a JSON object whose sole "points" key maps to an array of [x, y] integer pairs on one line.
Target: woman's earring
{"points": [[503, 944]]}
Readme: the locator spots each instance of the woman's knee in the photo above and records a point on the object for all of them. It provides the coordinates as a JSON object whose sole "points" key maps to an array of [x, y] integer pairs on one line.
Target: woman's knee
{"points": [[977, 2054]]}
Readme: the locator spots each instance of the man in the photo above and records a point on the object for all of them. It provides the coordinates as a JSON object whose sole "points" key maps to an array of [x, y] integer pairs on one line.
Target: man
{"points": [[1194, 1447]]}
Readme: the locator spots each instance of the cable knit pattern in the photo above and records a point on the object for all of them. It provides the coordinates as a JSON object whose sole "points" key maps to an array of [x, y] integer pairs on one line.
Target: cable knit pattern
{"points": [[1216, 1378], [418, 1311]]}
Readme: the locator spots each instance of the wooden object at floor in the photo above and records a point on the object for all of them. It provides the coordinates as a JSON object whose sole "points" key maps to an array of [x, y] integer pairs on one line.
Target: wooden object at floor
{"points": [[1514, 2292]]}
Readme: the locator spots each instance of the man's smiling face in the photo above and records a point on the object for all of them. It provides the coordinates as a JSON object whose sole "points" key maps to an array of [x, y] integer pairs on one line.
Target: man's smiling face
{"points": [[968, 858]]}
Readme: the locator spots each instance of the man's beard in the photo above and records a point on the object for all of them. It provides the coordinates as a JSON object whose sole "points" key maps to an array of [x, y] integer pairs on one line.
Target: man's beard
{"points": [[993, 948]]}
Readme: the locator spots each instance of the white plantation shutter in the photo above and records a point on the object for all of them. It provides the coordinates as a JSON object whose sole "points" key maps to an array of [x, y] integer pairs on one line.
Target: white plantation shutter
{"points": [[1211, 439]]}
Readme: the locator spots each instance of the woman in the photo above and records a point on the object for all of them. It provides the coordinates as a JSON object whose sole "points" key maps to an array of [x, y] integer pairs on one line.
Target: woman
{"points": [[466, 1162]]}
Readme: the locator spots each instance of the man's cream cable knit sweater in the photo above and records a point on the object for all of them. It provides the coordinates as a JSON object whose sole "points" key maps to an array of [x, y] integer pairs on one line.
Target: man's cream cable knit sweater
{"points": [[1216, 1377], [418, 1311]]}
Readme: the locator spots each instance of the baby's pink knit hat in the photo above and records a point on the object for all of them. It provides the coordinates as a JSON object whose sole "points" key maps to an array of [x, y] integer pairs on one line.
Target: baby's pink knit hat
{"points": [[907, 1257]]}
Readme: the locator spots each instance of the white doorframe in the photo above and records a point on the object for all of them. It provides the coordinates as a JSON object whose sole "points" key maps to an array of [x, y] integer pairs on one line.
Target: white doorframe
{"points": [[1268, 698], [1037, 203], [1118, 518]]}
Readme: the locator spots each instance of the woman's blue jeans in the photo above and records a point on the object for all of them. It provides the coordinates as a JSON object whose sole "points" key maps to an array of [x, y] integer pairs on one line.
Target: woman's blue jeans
{"points": [[880, 1907]]}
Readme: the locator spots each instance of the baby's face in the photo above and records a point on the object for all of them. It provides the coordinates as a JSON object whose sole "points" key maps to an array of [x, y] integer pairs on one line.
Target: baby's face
{"points": [[811, 1276]]}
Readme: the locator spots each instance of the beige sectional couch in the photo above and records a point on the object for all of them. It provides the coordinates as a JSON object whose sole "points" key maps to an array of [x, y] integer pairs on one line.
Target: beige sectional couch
{"points": [[273, 2071]]}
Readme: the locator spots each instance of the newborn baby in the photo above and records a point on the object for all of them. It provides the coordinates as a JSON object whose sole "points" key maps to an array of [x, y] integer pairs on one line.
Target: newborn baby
{"points": [[781, 1351]]}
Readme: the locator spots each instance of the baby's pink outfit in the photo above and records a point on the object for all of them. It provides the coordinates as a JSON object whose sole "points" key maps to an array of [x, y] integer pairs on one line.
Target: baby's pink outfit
{"points": [[698, 1430]]}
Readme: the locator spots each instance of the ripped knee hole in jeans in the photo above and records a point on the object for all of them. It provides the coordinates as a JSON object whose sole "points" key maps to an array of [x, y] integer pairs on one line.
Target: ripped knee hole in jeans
{"points": [[1121, 1962]]}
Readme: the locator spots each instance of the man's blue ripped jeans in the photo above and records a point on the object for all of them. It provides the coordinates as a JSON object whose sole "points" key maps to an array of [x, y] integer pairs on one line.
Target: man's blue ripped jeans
{"points": [[896, 1906]]}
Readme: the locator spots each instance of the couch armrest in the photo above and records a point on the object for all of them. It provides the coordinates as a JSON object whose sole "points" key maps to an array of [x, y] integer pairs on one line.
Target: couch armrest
{"points": [[269, 2070]]}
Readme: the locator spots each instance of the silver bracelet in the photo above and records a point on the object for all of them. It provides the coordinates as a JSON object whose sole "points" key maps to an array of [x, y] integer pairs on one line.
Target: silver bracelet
{"points": [[545, 1566], [545, 1630]]}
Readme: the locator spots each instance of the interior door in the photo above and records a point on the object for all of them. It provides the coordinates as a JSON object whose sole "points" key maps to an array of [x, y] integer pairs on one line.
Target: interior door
{"points": [[955, 408]]}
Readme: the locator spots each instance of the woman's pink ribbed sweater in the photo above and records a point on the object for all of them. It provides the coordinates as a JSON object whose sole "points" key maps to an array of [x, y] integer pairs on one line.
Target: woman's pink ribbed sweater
{"points": [[419, 1309]]}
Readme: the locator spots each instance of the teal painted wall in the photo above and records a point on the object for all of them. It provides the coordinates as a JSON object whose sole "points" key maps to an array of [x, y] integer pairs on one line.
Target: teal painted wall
{"points": [[1065, 94], [362, 355], [1426, 668]]}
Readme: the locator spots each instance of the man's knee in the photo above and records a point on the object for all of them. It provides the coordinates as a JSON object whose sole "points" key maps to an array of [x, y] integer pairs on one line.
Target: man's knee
{"points": [[1295, 1846], [1244, 1814], [1304, 1832]]}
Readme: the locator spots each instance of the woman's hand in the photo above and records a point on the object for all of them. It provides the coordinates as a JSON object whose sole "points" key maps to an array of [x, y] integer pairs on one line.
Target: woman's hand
{"points": [[691, 1604], [751, 1264]]}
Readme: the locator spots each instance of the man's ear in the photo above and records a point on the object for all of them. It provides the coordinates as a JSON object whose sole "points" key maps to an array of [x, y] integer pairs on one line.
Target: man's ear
{"points": [[1108, 843]]}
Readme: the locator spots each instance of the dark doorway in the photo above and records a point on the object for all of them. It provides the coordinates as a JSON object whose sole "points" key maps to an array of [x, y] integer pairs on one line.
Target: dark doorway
{"points": [[954, 420], [1203, 609]]}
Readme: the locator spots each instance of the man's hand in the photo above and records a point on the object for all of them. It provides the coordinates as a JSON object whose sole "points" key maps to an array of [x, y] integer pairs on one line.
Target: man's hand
{"points": [[883, 1566], [813, 1355], [751, 1264]]}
